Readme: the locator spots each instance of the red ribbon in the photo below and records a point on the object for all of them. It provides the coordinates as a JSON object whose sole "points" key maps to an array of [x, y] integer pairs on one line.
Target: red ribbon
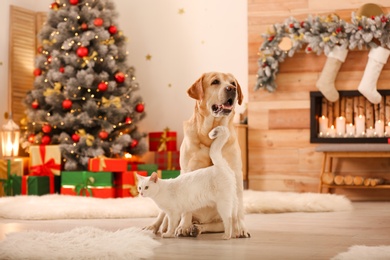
{"points": [[45, 169]]}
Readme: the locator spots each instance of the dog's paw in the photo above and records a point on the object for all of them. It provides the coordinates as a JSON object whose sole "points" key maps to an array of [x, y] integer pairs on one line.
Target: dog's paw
{"points": [[243, 234], [217, 131], [195, 231], [183, 231]]}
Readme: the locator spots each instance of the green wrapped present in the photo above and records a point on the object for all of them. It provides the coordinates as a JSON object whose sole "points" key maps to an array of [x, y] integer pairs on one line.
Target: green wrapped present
{"points": [[150, 168], [169, 174], [95, 184], [31, 185]]}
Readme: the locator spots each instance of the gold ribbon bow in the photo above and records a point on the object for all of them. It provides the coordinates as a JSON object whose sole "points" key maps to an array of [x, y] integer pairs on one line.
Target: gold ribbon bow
{"points": [[55, 90], [48, 42], [109, 41], [89, 138], [88, 58], [163, 140], [102, 162], [116, 101]]}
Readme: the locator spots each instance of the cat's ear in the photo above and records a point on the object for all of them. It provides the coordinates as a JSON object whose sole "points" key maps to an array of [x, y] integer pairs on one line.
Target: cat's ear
{"points": [[139, 177], [154, 177]]}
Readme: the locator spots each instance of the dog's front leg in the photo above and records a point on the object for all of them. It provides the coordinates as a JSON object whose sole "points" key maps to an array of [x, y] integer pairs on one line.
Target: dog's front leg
{"points": [[184, 227]]}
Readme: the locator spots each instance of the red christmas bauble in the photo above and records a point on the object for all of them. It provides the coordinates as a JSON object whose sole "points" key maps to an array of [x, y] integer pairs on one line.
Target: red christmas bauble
{"points": [[67, 104], [120, 77], [75, 138], [140, 107], [31, 138], [338, 29], [102, 86], [46, 129], [46, 139], [291, 25], [271, 38], [40, 49], [112, 29], [73, 2], [103, 135], [82, 51], [37, 72], [54, 6], [61, 69], [98, 22], [49, 59], [133, 143], [35, 104], [360, 28], [128, 120], [84, 26], [303, 24], [309, 49]]}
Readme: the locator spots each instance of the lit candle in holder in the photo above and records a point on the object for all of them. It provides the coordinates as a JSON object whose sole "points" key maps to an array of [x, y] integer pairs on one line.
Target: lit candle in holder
{"points": [[379, 128], [370, 132], [387, 129], [360, 123], [340, 126], [323, 121], [350, 130], [332, 131]]}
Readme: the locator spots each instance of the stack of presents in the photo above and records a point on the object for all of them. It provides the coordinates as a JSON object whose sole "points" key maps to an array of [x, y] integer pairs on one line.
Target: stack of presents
{"points": [[42, 173]]}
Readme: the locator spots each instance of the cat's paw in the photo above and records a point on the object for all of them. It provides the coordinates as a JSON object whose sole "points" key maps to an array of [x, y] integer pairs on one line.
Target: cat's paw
{"points": [[167, 235], [243, 234], [153, 228]]}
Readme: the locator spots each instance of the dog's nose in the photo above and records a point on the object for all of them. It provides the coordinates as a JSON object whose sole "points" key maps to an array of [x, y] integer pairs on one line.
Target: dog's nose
{"points": [[230, 88]]}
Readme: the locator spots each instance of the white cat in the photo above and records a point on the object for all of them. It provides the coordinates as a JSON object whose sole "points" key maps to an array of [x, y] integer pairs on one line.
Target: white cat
{"points": [[211, 186]]}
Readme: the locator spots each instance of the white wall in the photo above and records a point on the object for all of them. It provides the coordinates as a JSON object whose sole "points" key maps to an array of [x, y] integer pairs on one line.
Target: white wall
{"points": [[211, 35]]}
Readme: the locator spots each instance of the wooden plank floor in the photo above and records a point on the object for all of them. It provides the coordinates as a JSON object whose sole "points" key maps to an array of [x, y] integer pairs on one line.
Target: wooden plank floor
{"points": [[274, 236]]}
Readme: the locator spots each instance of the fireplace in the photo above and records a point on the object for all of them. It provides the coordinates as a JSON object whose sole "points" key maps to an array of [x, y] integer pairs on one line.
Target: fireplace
{"points": [[351, 119]]}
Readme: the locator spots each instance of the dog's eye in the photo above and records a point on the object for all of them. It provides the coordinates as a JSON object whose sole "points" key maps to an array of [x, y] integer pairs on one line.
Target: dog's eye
{"points": [[215, 82], [233, 83]]}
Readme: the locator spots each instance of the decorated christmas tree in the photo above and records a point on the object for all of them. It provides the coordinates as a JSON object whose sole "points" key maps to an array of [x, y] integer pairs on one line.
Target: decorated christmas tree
{"points": [[84, 96]]}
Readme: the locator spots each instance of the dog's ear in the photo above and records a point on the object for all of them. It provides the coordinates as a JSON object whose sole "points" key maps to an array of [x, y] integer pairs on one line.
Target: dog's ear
{"points": [[196, 90], [239, 93]]}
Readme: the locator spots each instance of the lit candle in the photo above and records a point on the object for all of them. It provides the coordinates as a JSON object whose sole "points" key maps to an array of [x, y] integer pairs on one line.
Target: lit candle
{"points": [[370, 132], [388, 129], [332, 131], [360, 123], [340, 125], [350, 130], [379, 128], [323, 121]]}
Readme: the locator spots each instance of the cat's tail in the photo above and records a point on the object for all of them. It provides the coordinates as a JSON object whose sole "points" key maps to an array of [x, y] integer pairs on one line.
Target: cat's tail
{"points": [[221, 135]]}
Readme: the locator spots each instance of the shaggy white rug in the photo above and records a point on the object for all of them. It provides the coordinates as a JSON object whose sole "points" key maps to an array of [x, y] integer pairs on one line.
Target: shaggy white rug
{"points": [[365, 253], [71, 207], [79, 243]]}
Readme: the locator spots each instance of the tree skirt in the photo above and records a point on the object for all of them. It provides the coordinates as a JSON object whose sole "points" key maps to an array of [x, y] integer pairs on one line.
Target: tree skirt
{"points": [[57, 206], [79, 243], [365, 253]]}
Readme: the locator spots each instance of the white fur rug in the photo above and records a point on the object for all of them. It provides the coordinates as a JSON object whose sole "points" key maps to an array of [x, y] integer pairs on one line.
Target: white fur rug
{"points": [[365, 253], [80, 243], [72, 207]]}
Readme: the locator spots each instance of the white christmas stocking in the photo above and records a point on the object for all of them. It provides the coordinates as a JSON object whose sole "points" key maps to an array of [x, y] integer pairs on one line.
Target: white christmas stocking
{"points": [[329, 73], [377, 58]]}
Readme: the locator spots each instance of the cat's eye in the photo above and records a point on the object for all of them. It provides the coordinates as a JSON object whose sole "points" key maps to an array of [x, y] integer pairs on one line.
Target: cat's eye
{"points": [[146, 187]]}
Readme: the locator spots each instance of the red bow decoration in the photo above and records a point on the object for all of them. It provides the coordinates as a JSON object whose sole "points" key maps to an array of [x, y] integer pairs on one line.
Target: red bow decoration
{"points": [[45, 169]]}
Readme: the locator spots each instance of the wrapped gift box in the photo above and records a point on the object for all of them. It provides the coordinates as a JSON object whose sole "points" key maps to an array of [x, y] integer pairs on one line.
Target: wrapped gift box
{"points": [[167, 160], [45, 160], [107, 165], [169, 174], [163, 141], [17, 168], [31, 185], [94, 184], [150, 168], [126, 183]]}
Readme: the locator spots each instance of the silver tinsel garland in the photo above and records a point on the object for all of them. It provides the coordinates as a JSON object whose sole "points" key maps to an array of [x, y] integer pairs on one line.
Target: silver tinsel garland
{"points": [[318, 34]]}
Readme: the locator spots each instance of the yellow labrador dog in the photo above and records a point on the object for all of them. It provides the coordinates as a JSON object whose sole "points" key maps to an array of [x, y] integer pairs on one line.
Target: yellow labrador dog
{"points": [[216, 95]]}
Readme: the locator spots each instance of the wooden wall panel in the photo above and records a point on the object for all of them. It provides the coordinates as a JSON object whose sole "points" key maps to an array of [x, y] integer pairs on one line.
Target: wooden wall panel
{"points": [[282, 158]]}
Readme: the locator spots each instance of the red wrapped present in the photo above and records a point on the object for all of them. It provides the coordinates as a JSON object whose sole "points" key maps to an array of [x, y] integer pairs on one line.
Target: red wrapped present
{"points": [[167, 160], [126, 183], [163, 141], [45, 160], [107, 164]]}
